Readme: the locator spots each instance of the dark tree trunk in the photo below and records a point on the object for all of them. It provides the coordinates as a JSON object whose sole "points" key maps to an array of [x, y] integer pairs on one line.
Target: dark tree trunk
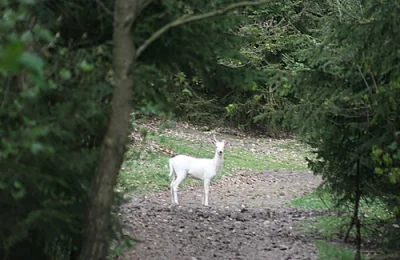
{"points": [[356, 211], [97, 229], [355, 220]]}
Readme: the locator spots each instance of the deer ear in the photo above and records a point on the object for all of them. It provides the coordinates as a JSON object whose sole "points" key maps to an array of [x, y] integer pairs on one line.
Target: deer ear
{"points": [[226, 143], [212, 142]]}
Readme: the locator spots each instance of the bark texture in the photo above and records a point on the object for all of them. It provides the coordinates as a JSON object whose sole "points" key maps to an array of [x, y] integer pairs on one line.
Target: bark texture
{"points": [[97, 230]]}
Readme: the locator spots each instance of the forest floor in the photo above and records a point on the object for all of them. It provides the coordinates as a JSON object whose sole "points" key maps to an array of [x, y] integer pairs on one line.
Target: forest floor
{"points": [[248, 217]]}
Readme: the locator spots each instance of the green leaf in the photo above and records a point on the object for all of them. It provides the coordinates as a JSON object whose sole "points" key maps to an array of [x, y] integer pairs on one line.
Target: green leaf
{"points": [[187, 91], [181, 76], [62, 51], [254, 86], [386, 158], [393, 146], [43, 33], [32, 62], [85, 66], [195, 80], [65, 74], [18, 194], [230, 108], [30, 93], [37, 131], [26, 36], [18, 185], [256, 97], [51, 84], [36, 147], [392, 178]]}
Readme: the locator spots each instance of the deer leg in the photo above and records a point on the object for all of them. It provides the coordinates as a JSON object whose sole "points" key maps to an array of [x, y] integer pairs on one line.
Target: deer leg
{"points": [[180, 176], [206, 191]]}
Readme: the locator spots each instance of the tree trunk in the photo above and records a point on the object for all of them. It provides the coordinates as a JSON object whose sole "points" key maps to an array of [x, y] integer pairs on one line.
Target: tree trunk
{"points": [[356, 211], [355, 219], [97, 229]]}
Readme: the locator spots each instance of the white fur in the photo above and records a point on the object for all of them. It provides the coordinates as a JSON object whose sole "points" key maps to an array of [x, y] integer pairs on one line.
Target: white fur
{"points": [[182, 166]]}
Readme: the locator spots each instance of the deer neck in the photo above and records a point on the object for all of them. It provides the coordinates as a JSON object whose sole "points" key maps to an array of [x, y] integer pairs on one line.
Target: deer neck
{"points": [[218, 160]]}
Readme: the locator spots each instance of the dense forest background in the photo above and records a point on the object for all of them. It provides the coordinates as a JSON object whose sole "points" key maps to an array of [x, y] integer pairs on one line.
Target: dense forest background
{"points": [[325, 70]]}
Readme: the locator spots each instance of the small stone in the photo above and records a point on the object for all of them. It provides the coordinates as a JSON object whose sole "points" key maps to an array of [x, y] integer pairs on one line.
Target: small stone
{"points": [[283, 247]]}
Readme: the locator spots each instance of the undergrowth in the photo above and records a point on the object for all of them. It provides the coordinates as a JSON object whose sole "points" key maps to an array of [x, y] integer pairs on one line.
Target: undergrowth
{"points": [[328, 251], [373, 215]]}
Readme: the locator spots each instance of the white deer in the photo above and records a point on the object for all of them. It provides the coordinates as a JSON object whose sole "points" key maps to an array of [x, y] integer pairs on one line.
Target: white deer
{"points": [[203, 169]]}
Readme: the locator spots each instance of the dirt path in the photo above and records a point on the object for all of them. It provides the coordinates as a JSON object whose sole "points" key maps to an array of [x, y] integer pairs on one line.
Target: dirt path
{"points": [[247, 217], [246, 220]]}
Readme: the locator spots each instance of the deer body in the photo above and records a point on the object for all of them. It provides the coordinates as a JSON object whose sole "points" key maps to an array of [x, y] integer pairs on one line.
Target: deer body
{"points": [[182, 166]]}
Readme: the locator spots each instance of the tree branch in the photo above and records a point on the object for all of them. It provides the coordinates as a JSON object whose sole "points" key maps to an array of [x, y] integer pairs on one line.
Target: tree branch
{"points": [[193, 18], [102, 5]]}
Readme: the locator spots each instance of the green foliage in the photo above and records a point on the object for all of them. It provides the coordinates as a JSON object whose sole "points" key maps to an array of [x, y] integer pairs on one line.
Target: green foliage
{"points": [[328, 251], [274, 30], [184, 64], [211, 66], [52, 120], [375, 216], [143, 171], [348, 94], [348, 109], [239, 60], [321, 198]]}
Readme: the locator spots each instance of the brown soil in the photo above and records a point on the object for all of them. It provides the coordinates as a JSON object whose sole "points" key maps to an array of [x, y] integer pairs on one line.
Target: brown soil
{"points": [[247, 219]]}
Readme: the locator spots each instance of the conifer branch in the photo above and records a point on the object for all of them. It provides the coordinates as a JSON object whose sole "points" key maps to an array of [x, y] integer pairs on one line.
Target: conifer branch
{"points": [[194, 18]]}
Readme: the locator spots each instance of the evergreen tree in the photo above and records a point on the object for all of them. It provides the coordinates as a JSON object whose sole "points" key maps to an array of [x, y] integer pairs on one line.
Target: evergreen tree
{"points": [[348, 102]]}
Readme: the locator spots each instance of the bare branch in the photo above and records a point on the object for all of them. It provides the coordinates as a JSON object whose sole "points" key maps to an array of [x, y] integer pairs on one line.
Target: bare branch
{"points": [[234, 66], [365, 81], [102, 5], [194, 18]]}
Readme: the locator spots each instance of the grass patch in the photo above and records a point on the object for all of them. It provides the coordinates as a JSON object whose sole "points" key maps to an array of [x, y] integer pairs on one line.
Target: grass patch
{"points": [[373, 214], [327, 251], [146, 170], [143, 170], [320, 198], [328, 226]]}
